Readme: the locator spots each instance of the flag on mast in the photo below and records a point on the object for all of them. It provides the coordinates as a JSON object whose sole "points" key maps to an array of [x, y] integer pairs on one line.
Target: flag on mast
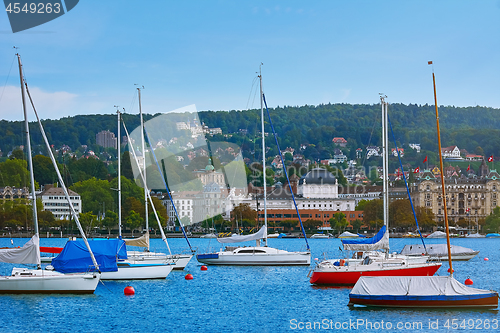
{"points": [[468, 168], [417, 170], [425, 159], [490, 159]]}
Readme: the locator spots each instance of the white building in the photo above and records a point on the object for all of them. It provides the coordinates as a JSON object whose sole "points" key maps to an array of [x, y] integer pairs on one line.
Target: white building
{"points": [[451, 152], [54, 200]]}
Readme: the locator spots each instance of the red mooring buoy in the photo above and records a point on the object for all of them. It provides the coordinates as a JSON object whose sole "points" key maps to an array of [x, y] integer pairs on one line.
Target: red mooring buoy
{"points": [[129, 291], [188, 277], [486, 259], [204, 268], [468, 282]]}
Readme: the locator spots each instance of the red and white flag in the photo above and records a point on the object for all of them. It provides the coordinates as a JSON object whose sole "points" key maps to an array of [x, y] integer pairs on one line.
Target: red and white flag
{"points": [[425, 159], [417, 170], [490, 159]]}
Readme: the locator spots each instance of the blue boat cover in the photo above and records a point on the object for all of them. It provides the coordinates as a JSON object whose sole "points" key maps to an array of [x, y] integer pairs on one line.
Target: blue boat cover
{"points": [[371, 240], [75, 257]]}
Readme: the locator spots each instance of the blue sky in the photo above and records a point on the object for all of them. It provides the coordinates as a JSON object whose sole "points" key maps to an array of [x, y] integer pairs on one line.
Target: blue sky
{"points": [[207, 53]]}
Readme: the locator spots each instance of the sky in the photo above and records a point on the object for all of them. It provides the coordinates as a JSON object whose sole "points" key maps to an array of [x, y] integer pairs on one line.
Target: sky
{"points": [[208, 53]]}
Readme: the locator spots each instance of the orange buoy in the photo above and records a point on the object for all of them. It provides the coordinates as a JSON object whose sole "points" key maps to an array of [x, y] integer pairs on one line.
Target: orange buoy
{"points": [[204, 268], [486, 259], [468, 282], [451, 270], [129, 291], [188, 277]]}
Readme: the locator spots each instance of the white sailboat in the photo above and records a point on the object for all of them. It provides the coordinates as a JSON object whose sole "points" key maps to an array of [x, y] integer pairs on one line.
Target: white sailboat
{"points": [[255, 255], [24, 280], [136, 267], [179, 261]]}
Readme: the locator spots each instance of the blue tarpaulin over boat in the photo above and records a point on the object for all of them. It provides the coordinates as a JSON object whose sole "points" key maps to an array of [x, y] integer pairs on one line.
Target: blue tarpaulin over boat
{"points": [[75, 257], [377, 242]]}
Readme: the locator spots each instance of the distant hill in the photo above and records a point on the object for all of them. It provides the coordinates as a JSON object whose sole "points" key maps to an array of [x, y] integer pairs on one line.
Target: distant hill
{"points": [[476, 129]]}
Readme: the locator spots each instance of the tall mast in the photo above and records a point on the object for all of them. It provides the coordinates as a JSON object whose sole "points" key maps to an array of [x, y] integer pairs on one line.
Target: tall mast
{"points": [[144, 165], [119, 178], [263, 153], [30, 161], [442, 174]]}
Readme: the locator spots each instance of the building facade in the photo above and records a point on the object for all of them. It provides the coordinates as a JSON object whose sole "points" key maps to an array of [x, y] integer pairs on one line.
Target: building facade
{"points": [[466, 198], [106, 139], [54, 200]]}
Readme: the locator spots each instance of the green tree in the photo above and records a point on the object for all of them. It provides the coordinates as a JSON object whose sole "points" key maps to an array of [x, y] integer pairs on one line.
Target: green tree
{"points": [[96, 195], [401, 214], [126, 166], [312, 224], [492, 222], [14, 173], [134, 221], [44, 170], [373, 214], [244, 212], [339, 221], [88, 221], [17, 154], [356, 225], [110, 221], [361, 205], [288, 224]]}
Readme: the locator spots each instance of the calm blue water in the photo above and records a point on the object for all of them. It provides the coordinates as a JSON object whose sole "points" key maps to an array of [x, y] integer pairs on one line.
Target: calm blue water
{"points": [[240, 299]]}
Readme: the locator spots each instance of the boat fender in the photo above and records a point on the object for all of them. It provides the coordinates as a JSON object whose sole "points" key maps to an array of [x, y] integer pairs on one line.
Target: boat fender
{"points": [[342, 262]]}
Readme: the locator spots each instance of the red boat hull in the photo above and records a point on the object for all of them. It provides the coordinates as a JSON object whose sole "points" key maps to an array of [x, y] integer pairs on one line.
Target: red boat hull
{"points": [[349, 278]]}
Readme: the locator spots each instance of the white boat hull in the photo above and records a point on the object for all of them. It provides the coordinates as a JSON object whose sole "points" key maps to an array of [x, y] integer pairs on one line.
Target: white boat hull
{"points": [[31, 281], [180, 261], [256, 256], [128, 270]]}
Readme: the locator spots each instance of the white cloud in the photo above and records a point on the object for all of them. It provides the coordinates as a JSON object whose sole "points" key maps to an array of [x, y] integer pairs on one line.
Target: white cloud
{"points": [[49, 105]]}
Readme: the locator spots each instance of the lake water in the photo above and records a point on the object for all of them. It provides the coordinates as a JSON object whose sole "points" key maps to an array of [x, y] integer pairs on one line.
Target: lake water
{"points": [[243, 299]]}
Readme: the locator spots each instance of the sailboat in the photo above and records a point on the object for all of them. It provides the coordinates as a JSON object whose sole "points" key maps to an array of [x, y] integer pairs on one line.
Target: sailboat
{"points": [[423, 291], [367, 261], [135, 267], [114, 259], [46, 281], [257, 255], [179, 261]]}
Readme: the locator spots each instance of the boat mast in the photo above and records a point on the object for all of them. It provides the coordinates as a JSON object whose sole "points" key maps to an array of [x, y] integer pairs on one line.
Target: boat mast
{"points": [[385, 162], [144, 166], [119, 178], [442, 173], [263, 154], [30, 161]]}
